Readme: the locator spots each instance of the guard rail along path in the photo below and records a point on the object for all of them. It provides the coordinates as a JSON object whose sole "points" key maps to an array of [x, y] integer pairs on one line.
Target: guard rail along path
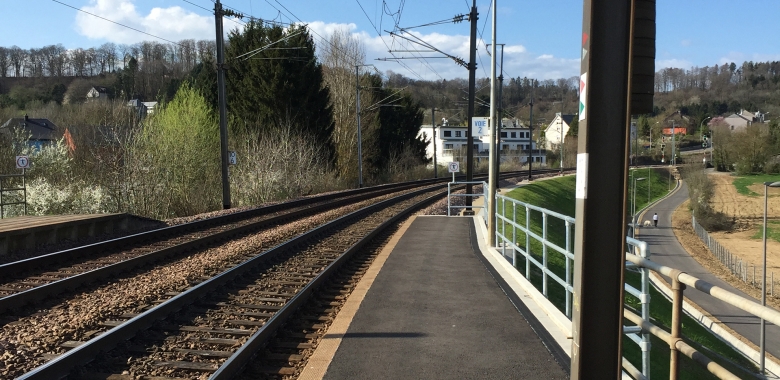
{"points": [[734, 263]]}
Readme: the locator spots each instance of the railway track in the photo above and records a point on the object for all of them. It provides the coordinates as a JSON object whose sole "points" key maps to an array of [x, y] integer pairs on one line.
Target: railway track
{"points": [[32, 280], [64, 340], [215, 327]]}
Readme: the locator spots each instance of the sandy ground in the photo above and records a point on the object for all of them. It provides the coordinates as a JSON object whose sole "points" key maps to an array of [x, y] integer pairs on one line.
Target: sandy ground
{"points": [[748, 212]]}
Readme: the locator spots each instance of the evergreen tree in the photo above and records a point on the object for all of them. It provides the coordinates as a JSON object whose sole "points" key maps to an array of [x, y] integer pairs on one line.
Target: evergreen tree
{"points": [[398, 128], [275, 81]]}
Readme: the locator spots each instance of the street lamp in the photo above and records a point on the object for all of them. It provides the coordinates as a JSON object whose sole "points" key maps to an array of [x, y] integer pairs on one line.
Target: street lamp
{"points": [[701, 126], [633, 212], [767, 185]]}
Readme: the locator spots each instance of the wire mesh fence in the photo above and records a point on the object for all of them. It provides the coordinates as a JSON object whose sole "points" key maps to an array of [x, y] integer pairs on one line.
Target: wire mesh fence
{"points": [[742, 269]]}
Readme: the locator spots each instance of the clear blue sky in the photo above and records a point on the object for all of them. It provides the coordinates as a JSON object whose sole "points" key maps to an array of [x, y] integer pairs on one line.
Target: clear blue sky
{"points": [[542, 37]]}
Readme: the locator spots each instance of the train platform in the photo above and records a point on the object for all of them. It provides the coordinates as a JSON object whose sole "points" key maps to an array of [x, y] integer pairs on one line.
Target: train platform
{"points": [[22, 233], [439, 304]]}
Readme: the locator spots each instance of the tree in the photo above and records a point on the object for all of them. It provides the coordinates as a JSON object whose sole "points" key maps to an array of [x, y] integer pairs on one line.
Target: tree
{"points": [[279, 86], [398, 129], [341, 56], [178, 150]]}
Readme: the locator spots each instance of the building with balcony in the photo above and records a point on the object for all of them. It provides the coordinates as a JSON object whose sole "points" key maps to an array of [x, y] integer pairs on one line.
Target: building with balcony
{"points": [[451, 143]]}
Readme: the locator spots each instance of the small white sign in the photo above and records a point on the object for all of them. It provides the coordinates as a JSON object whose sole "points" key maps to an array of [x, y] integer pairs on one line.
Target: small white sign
{"points": [[454, 167], [232, 157], [22, 162], [480, 126]]}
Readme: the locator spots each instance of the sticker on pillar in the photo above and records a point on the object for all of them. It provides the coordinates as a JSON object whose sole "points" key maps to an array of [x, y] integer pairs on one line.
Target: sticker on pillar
{"points": [[581, 190], [583, 94]]}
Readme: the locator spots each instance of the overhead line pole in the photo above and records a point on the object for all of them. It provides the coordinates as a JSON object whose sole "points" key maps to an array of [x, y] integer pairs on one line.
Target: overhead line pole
{"points": [[433, 125], [223, 133], [472, 89], [359, 135], [494, 123], [531, 130], [600, 231]]}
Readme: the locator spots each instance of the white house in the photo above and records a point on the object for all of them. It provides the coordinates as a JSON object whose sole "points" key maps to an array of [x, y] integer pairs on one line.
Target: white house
{"points": [[556, 131], [451, 141], [97, 93]]}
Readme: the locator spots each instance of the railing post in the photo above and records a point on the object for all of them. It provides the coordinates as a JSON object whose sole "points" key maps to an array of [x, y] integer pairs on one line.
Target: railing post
{"points": [[568, 269], [527, 243], [449, 203], [544, 253], [677, 302], [514, 234]]}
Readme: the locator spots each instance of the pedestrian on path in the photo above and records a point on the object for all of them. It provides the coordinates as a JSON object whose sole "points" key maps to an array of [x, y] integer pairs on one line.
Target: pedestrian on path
{"points": [[655, 219]]}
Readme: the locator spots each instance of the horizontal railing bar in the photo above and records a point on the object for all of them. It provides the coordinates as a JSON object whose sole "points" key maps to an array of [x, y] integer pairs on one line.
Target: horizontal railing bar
{"points": [[632, 371], [743, 303], [537, 208], [683, 347]]}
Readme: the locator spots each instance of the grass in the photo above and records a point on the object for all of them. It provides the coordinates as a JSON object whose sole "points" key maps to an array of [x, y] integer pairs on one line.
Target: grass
{"points": [[772, 231], [742, 183], [558, 195]]}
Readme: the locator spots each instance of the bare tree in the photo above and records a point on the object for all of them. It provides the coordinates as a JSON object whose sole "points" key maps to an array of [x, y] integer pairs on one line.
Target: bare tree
{"points": [[17, 55], [5, 62], [340, 58]]}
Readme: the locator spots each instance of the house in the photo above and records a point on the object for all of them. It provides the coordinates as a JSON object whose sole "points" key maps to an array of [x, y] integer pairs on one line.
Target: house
{"points": [[553, 135], [739, 121], [41, 132], [97, 93], [451, 143], [150, 106], [140, 108]]}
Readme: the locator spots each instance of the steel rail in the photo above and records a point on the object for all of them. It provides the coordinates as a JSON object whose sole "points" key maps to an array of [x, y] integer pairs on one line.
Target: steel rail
{"points": [[16, 267], [234, 364], [39, 293], [61, 366]]}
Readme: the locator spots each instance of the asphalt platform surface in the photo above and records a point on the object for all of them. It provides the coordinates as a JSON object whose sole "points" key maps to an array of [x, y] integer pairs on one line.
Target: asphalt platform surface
{"points": [[436, 312]]}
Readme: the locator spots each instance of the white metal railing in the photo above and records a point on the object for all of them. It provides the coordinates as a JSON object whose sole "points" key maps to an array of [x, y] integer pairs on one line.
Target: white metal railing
{"points": [[450, 195], [507, 231]]}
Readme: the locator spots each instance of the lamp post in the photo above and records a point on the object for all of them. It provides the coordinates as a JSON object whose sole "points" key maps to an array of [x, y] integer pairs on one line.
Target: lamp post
{"points": [[767, 185], [633, 211], [701, 126]]}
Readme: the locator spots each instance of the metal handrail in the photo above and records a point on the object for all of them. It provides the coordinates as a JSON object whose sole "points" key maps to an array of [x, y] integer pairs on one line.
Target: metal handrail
{"points": [[504, 243], [715, 291], [679, 281], [23, 189], [474, 195]]}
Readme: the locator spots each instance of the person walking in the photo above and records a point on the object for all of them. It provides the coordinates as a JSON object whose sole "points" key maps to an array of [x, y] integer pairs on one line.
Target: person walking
{"points": [[655, 219]]}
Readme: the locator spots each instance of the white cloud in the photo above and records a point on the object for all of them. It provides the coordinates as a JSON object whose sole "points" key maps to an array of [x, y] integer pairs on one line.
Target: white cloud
{"points": [[739, 58], [686, 43], [673, 62], [514, 49], [172, 23]]}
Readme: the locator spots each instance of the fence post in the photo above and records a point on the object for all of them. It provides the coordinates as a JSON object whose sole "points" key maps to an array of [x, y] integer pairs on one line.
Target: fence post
{"points": [[677, 300], [527, 243]]}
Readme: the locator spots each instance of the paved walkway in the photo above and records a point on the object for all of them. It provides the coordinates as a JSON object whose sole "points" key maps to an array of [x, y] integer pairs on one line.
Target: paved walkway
{"points": [[666, 250], [436, 312]]}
